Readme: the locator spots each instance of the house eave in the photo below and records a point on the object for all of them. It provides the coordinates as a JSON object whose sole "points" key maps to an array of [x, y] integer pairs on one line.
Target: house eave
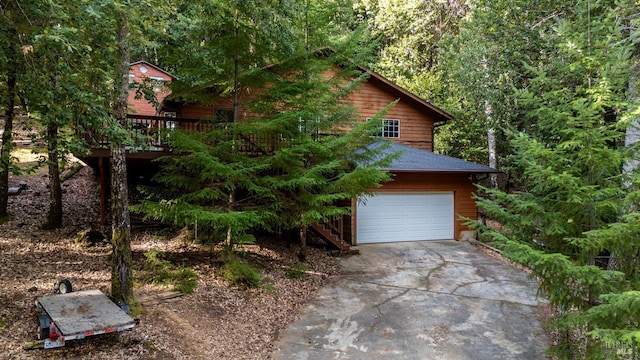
{"points": [[155, 67], [493, 171]]}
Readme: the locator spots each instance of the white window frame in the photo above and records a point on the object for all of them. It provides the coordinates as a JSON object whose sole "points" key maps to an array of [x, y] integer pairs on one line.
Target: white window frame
{"points": [[309, 127], [390, 128], [303, 128], [157, 82]]}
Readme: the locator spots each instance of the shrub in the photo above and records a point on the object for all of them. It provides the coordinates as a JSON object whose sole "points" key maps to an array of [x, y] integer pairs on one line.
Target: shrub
{"points": [[239, 272], [161, 271], [158, 270], [297, 271], [185, 280]]}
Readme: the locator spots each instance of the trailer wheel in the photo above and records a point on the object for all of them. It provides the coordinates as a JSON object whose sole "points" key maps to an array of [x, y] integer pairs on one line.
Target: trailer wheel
{"points": [[63, 286]]}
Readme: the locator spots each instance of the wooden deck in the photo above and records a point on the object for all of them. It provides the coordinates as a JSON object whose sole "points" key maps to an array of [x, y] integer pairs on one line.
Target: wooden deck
{"points": [[152, 135]]}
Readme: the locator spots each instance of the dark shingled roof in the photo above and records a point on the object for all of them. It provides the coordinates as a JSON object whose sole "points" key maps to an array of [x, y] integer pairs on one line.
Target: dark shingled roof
{"points": [[417, 160]]}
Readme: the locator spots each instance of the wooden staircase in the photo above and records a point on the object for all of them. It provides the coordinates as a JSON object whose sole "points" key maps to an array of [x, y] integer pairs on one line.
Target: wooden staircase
{"points": [[325, 231]]}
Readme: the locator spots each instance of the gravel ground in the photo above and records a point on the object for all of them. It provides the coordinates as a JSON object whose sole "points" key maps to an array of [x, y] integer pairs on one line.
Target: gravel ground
{"points": [[216, 321]]}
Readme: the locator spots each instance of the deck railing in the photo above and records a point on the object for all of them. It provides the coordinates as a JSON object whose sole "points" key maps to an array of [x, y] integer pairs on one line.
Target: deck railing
{"points": [[152, 133]]}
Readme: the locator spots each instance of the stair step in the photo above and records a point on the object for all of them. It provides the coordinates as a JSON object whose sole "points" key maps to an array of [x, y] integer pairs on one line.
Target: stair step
{"points": [[330, 237]]}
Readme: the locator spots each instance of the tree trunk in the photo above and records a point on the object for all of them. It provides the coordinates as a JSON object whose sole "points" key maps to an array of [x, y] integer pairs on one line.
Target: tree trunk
{"points": [[236, 74], [632, 135], [54, 217], [491, 130], [122, 259], [493, 152], [7, 135], [302, 255]]}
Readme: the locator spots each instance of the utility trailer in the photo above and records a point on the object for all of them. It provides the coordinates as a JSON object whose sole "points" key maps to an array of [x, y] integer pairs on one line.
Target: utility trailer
{"points": [[77, 315]]}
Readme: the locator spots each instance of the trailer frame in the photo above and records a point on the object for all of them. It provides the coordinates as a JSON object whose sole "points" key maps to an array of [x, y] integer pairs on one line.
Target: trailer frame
{"points": [[78, 315]]}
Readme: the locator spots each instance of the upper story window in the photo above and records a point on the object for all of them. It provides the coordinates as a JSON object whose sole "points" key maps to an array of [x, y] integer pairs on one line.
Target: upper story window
{"points": [[309, 127], [157, 83], [390, 128]]}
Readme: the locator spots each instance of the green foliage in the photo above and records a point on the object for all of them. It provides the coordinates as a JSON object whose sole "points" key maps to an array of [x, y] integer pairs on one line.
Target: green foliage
{"points": [[576, 203], [135, 308], [288, 167], [240, 273], [158, 270], [617, 322], [150, 346], [483, 66], [297, 271], [186, 280], [409, 34], [567, 285]]}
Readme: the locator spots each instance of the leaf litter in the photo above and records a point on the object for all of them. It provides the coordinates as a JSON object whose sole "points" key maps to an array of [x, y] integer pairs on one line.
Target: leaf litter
{"points": [[216, 321]]}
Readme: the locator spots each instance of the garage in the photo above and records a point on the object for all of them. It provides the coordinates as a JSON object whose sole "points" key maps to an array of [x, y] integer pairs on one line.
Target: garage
{"points": [[395, 217]]}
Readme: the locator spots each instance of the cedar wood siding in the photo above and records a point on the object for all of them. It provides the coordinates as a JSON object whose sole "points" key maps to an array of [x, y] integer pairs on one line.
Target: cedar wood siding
{"points": [[142, 106], [406, 182], [416, 122], [207, 111], [416, 130], [416, 126], [199, 111]]}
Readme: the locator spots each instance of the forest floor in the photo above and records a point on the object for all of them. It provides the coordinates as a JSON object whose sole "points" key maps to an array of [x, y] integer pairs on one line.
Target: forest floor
{"points": [[216, 321]]}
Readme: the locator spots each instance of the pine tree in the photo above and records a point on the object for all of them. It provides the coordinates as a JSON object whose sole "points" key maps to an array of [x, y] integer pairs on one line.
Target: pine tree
{"points": [[317, 174], [279, 171], [571, 164]]}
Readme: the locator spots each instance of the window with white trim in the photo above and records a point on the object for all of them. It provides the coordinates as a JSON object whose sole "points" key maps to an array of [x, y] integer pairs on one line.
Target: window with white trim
{"points": [[309, 127], [390, 128], [157, 83]]}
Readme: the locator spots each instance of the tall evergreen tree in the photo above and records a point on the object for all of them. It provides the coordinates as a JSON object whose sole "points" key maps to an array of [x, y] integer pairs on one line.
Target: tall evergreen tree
{"points": [[317, 174], [114, 26], [276, 169], [570, 158]]}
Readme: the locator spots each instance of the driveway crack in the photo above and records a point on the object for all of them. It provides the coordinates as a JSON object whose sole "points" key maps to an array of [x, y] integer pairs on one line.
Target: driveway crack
{"points": [[374, 325], [443, 263], [484, 280]]}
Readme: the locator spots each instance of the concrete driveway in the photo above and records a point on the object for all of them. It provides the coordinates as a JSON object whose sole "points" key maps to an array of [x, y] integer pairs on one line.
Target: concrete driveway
{"points": [[420, 300]]}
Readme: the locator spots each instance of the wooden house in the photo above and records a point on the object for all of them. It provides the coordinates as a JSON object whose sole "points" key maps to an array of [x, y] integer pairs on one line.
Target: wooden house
{"points": [[429, 194]]}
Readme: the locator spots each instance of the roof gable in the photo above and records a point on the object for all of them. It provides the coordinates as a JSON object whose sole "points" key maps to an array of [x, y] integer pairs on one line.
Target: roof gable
{"points": [[393, 88], [157, 68], [440, 115]]}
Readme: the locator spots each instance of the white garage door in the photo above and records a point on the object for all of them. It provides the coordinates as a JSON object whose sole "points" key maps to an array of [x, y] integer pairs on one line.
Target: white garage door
{"points": [[405, 217]]}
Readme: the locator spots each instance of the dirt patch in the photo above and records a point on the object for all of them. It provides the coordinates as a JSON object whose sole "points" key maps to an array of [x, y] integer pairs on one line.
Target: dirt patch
{"points": [[214, 322]]}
